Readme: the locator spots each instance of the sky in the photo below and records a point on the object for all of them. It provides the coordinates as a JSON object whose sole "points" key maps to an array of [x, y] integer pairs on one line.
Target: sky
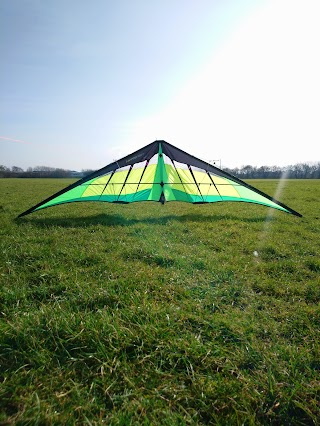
{"points": [[85, 83]]}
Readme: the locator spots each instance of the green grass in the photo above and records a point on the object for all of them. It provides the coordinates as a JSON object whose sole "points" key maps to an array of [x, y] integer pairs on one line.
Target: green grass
{"points": [[148, 314]]}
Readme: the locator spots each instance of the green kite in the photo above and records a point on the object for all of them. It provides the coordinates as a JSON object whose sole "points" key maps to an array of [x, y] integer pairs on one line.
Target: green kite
{"points": [[160, 172]]}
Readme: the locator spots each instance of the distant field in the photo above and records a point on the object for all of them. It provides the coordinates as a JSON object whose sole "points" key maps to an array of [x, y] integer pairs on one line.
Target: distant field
{"points": [[147, 314]]}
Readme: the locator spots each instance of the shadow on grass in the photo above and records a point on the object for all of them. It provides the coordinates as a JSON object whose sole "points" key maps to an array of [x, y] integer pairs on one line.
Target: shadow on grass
{"points": [[119, 220]]}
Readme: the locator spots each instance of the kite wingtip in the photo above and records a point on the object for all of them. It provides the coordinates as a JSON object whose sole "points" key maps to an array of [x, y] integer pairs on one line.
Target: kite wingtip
{"points": [[295, 213], [22, 214]]}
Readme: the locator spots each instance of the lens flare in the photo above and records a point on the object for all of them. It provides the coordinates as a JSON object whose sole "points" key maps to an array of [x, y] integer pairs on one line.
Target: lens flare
{"points": [[266, 230]]}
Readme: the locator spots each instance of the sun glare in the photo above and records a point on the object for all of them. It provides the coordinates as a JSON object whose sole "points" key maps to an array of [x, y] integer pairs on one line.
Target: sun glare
{"points": [[257, 96]]}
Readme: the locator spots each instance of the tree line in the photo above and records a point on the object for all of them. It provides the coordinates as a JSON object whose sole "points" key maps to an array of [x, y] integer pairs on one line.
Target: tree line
{"points": [[40, 172], [297, 171]]}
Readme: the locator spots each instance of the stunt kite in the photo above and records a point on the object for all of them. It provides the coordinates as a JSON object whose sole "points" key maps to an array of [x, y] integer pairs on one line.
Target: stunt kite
{"points": [[160, 172]]}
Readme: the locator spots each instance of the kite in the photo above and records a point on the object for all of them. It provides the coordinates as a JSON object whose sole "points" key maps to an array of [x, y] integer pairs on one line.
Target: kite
{"points": [[160, 172]]}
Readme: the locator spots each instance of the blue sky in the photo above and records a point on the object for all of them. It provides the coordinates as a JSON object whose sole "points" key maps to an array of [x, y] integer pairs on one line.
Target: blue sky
{"points": [[83, 83]]}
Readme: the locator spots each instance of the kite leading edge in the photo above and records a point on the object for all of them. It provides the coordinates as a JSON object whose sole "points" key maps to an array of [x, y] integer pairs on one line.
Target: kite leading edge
{"points": [[160, 172]]}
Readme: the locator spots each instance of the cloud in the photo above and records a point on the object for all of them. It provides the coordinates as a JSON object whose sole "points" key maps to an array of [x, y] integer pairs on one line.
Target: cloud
{"points": [[15, 140]]}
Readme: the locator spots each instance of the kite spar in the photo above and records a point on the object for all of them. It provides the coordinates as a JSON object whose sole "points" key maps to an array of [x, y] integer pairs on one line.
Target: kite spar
{"points": [[160, 172]]}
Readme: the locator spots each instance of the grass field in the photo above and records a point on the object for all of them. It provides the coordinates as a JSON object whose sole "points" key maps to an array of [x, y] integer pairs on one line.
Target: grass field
{"points": [[147, 314]]}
